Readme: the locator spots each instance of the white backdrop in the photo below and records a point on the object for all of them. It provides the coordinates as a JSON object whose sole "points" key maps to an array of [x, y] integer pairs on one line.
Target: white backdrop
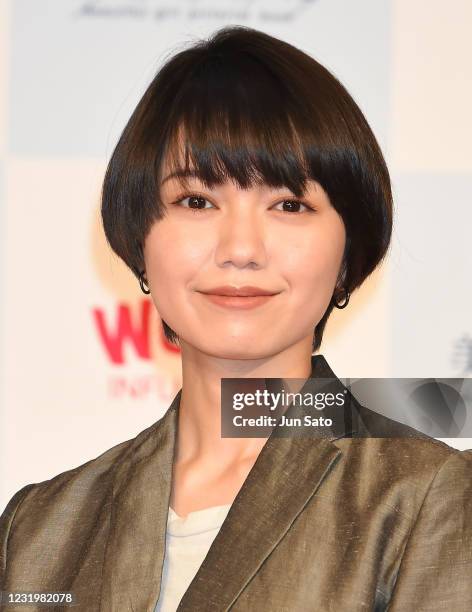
{"points": [[83, 363]]}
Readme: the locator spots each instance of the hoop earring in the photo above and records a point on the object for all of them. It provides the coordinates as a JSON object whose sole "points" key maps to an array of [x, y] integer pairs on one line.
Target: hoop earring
{"points": [[143, 280], [347, 295]]}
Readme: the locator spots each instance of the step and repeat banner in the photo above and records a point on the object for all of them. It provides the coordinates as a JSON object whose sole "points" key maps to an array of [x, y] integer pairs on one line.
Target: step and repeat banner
{"points": [[84, 364]]}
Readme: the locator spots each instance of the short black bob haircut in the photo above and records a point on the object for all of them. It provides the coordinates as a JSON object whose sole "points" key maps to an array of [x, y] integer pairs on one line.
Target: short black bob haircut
{"points": [[248, 107]]}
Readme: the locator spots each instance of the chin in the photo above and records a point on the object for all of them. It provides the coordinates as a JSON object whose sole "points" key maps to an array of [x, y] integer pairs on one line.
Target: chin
{"points": [[230, 348]]}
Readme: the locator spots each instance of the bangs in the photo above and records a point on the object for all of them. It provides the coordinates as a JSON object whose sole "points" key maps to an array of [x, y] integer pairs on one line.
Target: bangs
{"points": [[236, 121]]}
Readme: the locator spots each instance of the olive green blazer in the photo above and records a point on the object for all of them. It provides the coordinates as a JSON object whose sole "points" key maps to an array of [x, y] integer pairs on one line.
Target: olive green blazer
{"points": [[337, 524]]}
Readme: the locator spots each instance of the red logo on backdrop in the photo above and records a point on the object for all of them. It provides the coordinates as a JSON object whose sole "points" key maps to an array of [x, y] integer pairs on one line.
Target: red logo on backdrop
{"points": [[121, 329], [130, 325]]}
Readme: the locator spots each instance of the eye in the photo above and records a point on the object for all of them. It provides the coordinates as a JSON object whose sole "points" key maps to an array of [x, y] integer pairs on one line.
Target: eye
{"points": [[294, 206], [196, 203]]}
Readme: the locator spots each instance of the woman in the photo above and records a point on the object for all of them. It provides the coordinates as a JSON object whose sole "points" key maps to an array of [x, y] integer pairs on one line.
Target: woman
{"points": [[246, 170]]}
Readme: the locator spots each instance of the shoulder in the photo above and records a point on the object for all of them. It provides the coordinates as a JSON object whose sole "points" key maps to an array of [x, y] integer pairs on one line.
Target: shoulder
{"points": [[436, 561], [403, 467], [73, 506], [66, 492]]}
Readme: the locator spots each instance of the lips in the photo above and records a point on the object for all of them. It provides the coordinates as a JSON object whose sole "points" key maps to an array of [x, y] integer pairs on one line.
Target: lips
{"points": [[246, 291], [239, 298]]}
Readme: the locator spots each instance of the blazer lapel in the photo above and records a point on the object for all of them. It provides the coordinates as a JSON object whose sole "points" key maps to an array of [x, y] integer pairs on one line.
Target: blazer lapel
{"points": [[141, 493], [288, 471], [286, 474]]}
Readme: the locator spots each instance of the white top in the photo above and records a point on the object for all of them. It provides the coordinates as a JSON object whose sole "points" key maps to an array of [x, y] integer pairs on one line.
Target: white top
{"points": [[187, 542]]}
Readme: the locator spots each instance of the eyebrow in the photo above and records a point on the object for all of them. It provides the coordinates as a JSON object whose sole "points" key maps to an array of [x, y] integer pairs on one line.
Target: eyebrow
{"points": [[181, 173], [191, 173]]}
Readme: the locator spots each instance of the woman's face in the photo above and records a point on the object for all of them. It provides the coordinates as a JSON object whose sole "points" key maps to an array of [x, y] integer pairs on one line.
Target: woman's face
{"points": [[226, 236]]}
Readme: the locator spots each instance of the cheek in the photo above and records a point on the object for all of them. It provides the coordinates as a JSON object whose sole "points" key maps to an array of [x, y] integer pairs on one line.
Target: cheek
{"points": [[312, 263], [172, 255]]}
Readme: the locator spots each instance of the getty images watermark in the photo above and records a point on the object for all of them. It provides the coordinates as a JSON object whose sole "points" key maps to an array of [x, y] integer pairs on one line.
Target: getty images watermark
{"points": [[334, 408], [281, 401], [257, 407]]}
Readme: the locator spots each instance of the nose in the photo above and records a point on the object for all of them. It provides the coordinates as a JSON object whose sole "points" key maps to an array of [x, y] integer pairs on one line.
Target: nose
{"points": [[242, 238]]}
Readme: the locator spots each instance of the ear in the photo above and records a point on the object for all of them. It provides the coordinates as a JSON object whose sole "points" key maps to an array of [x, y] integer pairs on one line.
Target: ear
{"points": [[342, 275]]}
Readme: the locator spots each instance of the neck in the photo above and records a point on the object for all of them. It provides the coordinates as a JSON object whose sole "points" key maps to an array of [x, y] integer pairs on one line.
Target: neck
{"points": [[199, 426]]}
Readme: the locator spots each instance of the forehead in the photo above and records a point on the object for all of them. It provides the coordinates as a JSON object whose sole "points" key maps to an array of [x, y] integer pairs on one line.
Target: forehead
{"points": [[188, 178], [187, 160]]}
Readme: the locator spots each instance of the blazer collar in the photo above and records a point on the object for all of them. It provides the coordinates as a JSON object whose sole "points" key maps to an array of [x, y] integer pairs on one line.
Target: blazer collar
{"points": [[286, 474]]}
